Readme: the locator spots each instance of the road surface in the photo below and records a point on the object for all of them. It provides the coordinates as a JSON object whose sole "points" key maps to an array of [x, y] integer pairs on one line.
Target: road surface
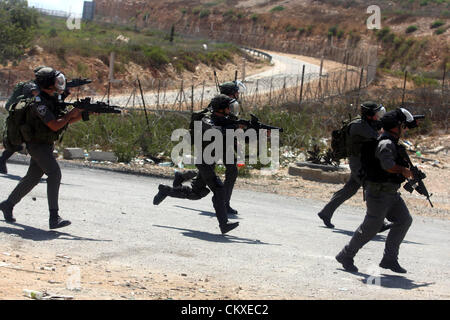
{"points": [[280, 247]]}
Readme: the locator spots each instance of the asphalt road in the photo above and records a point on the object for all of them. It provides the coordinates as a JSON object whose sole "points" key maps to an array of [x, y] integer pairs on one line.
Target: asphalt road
{"points": [[280, 248]]}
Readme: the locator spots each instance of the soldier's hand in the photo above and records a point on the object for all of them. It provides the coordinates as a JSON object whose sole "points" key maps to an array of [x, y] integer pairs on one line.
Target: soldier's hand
{"points": [[407, 173]]}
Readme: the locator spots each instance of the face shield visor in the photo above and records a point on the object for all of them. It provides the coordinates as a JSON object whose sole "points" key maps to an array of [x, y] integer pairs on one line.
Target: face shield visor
{"points": [[241, 87], [380, 112], [411, 122], [234, 108], [60, 82]]}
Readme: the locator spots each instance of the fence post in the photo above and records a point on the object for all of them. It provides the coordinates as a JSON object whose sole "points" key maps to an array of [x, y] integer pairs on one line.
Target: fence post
{"points": [[301, 85], [143, 102], [192, 99], [404, 88], [443, 80], [360, 84]]}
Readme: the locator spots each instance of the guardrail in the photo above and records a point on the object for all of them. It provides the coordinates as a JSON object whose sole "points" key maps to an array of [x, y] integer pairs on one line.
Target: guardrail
{"points": [[258, 53]]}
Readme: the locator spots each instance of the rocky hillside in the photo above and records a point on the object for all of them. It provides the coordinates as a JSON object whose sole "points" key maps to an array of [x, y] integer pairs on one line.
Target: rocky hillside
{"points": [[419, 29]]}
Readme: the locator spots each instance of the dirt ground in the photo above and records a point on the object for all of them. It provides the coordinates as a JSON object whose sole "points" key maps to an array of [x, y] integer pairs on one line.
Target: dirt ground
{"points": [[55, 274]]}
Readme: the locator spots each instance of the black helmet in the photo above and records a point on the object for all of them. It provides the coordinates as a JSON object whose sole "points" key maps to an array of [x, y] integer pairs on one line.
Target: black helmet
{"points": [[229, 88], [370, 108], [220, 102], [398, 117], [47, 77]]}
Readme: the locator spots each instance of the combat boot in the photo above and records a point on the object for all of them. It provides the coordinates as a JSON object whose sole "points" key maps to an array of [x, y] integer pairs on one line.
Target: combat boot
{"points": [[161, 195], [346, 261], [56, 221], [7, 209], [391, 264], [326, 220], [224, 228], [230, 210], [3, 168]]}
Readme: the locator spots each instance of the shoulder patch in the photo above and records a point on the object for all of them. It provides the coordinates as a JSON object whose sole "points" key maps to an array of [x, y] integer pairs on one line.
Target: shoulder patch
{"points": [[42, 110], [38, 99]]}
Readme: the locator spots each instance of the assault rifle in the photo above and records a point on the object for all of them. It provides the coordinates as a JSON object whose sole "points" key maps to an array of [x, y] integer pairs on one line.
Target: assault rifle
{"points": [[88, 107], [254, 123], [416, 183], [77, 82]]}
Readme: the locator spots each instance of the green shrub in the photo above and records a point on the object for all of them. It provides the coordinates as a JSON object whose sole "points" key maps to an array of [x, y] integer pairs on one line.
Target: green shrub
{"points": [[204, 13], [290, 28], [440, 31], [277, 9], [254, 17], [437, 24], [411, 29]]}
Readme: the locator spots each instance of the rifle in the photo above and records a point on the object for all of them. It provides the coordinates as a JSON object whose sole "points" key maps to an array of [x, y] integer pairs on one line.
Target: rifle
{"points": [[77, 82], [416, 183], [88, 107], [254, 123]]}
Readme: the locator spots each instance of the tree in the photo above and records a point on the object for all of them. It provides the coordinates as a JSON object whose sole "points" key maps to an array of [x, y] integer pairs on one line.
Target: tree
{"points": [[18, 25]]}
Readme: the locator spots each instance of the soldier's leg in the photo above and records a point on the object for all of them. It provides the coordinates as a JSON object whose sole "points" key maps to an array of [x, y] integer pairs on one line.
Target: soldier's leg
{"points": [[231, 173], [43, 155], [402, 220], [27, 183], [349, 190], [5, 156], [378, 205], [206, 172], [181, 177]]}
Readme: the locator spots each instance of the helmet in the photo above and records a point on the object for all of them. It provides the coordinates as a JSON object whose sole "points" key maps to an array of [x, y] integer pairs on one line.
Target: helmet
{"points": [[398, 117], [29, 88], [370, 109], [220, 102], [231, 87], [39, 68], [47, 77]]}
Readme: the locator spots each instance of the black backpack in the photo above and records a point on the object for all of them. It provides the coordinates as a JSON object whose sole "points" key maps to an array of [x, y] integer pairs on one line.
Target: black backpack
{"points": [[197, 116], [339, 140], [15, 123]]}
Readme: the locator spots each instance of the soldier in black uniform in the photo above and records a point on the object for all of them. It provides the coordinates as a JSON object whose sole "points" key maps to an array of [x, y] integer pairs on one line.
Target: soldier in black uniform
{"points": [[207, 177], [385, 170], [45, 122], [231, 89], [361, 130]]}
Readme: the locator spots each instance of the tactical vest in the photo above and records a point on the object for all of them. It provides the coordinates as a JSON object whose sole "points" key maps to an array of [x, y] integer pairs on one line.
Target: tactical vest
{"points": [[371, 166], [35, 130]]}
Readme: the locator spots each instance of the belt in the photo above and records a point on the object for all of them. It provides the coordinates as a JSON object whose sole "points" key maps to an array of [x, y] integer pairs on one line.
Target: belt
{"points": [[387, 187]]}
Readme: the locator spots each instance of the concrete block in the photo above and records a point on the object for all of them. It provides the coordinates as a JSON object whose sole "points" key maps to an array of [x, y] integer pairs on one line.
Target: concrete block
{"points": [[102, 156], [319, 175], [73, 153]]}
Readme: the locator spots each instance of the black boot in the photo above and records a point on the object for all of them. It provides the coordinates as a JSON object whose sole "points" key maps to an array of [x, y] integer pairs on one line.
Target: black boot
{"points": [[161, 195], [385, 226], [326, 220], [392, 265], [224, 228], [346, 261], [5, 156], [230, 210], [7, 209], [56, 221]]}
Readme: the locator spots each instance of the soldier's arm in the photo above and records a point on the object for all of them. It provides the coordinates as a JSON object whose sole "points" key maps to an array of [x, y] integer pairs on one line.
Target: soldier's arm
{"points": [[56, 124], [386, 152]]}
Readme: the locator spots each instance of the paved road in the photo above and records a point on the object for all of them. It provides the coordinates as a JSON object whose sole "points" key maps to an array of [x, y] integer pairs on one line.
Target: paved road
{"points": [[280, 247]]}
